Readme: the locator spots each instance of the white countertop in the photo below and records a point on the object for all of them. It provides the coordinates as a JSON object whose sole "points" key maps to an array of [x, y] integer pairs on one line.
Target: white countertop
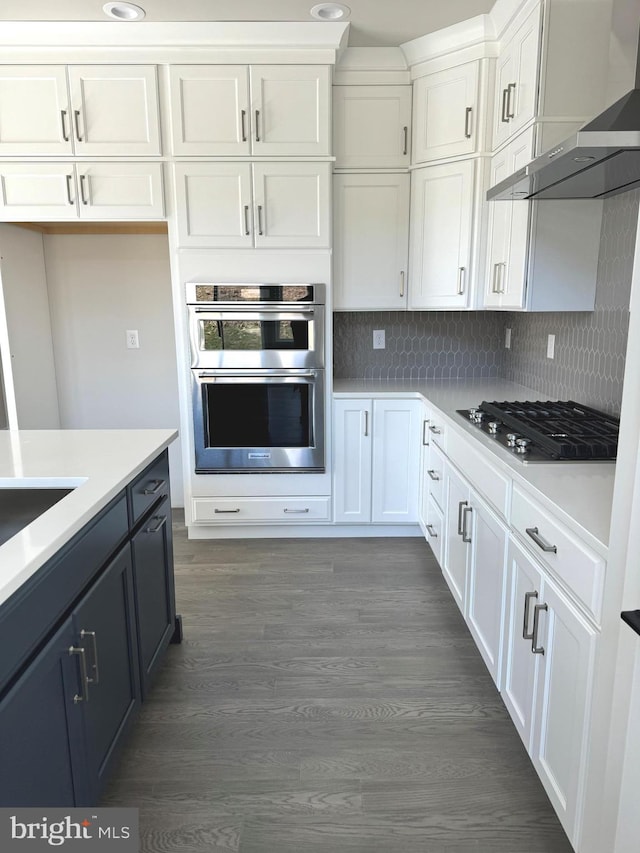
{"points": [[96, 463], [580, 493]]}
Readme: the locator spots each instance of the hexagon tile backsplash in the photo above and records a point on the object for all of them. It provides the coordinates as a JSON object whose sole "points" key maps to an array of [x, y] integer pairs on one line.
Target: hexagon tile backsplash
{"points": [[589, 346]]}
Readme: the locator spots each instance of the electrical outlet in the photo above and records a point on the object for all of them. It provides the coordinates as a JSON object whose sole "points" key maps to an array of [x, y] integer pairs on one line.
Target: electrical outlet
{"points": [[551, 346], [133, 342], [378, 339], [507, 338]]}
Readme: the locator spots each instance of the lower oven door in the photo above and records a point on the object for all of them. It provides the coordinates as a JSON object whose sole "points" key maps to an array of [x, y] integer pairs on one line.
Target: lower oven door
{"points": [[258, 421]]}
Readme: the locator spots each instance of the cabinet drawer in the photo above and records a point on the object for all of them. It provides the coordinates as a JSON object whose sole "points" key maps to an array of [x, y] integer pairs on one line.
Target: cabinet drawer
{"points": [[482, 475], [149, 487], [260, 510], [435, 529], [435, 475], [437, 431], [581, 570]]}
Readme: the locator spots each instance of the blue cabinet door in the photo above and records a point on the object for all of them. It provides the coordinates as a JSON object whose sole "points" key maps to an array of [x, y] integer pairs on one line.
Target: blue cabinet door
{"points": [[41, 729], [104, 625]]}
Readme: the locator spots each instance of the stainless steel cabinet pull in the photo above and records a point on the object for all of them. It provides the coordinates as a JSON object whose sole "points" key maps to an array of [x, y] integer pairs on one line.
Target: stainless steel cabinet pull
{"points": [[155, 488], [84, 678], [511, 88], [494, 282], [431, 531], [246, 220], [243, 124], [257, 125], [535, 648], [525, 623], [425, 440], [69, 179], [260, 230], [466, 512], [461, 506], [76, 118], [467, 122], [405, 139], [504, 117], [63, 120], [401, 282], [94, 643], [542, 543], [297, 511], [366, 422], [503, 270], [83, 196], [435, 430], [433, 474], [159, 519], [225, 511], [461, 277]]}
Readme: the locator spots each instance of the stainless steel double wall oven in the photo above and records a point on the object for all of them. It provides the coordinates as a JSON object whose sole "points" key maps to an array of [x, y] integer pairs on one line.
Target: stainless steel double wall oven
{"points": [[257, 369]]}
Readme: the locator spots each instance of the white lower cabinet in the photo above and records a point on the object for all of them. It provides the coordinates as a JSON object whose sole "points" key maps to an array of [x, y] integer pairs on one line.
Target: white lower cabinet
{"points": [[457, 510], [376, 460], [549, 662]]}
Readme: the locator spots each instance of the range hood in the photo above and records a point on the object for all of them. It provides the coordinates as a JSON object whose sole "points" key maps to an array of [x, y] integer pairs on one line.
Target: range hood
{"points": [[600, 160]]}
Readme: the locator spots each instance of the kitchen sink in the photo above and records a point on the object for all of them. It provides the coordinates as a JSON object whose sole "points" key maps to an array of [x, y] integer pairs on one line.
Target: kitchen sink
{"points": [[21, 506]]}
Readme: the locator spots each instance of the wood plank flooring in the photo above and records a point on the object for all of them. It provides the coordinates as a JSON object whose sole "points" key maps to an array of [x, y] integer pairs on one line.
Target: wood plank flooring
{"points": [[327, 698]]}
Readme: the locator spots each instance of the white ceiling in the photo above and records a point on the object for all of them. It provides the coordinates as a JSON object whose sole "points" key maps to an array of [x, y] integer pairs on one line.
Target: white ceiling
{"points": [[374, 23]]}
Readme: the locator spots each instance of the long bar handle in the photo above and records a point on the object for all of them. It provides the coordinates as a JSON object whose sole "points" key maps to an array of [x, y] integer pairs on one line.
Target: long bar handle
{"points": [[431, 531], [525, 622], [296, 511], [84, 198], [405, 140], [159, 522], [257, 125], [155, 488], [260, 229], [461, 506], [503, 273], [425, 437], [466, 512], [534, 533], [504, 117], [76, 119], [401, 282], [246, 220], [243, 124], [225, 511], [84, 678], [467, 122], [535, 648], [63, 121], [94, 666], [511, 89], [494, 279], [366, 422], [69, 178], [461, 279]]}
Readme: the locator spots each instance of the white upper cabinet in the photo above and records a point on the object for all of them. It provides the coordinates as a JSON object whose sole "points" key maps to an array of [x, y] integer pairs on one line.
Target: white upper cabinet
{"points": [[442, 215], [234, 110], [92, 110], [446, 113], [371, 127], [371, 236]]}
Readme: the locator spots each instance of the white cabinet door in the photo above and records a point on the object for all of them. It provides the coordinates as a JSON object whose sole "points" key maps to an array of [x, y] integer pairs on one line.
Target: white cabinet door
{"points": [[397, 426], [440, 237], [371, 126], [210, 110], [292, 205], [487, 583], [214, 204], [566, 645], [37, 191], [371, 235], [290, 109], [352, 460], [115, 110], [457, 538], [519, 664], [445, 106], [120, 190], [505, 82], [499, 228], [34, 110]]}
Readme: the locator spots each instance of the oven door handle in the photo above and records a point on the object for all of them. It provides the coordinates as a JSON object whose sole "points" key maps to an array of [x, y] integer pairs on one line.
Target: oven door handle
{"points": [[250, 374], [285, 308]]}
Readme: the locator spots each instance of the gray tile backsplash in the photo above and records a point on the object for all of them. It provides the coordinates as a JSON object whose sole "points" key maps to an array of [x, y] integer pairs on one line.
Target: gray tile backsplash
{"points": [[589, 347]]}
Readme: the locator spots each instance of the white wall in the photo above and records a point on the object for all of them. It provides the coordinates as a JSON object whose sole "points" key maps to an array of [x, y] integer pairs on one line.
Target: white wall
{"points": [[100, 286], [25, 338]]}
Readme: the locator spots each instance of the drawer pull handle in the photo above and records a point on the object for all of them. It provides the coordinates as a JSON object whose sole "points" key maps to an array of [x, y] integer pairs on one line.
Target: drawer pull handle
{"points": [[160, 520], [425, 440], [433, 474], [154, 489], [525, 625], [69, 178], [431, 531], [225, 511], [542, 543], [84, 678], [535, 648], [94, 643], [435, 430], [297, 511], [466, 512], [461, 506]]}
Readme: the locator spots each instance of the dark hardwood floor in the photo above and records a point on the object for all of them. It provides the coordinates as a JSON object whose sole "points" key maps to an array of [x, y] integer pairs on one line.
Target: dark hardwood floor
{"points": [[327, 698]]}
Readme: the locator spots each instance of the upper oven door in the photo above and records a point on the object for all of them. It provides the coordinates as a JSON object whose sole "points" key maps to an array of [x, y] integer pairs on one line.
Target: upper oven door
{"points": [[257, 339]]}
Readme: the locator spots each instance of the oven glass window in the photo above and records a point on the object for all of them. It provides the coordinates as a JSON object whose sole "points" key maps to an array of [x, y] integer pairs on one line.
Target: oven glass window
{"points": [[218, 335], [249, 293], [257, 414]]}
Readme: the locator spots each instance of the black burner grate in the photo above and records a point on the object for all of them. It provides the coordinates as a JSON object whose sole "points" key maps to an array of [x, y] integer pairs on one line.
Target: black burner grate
{"points": [[563, 430]]}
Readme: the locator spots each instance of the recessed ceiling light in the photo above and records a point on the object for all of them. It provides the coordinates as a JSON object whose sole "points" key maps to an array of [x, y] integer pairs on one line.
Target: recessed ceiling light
{"points": [[124, 11], [330, 11]]}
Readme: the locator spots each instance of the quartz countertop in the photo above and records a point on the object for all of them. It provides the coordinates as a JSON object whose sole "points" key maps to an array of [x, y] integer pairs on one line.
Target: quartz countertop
{"points": [[97, 464], [579, 493]]}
